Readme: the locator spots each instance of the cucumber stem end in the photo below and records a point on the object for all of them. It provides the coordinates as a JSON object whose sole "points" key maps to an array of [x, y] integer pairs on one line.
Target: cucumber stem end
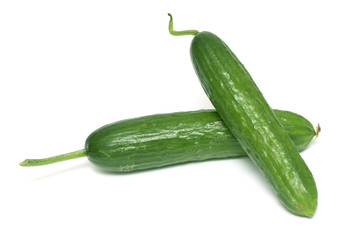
{"points": [[55, 159], [179, 33], [318, 130]]}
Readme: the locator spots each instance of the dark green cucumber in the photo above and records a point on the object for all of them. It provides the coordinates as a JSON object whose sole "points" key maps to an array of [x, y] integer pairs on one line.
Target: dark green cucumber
{"points": [[250, 119], [165, 139]]}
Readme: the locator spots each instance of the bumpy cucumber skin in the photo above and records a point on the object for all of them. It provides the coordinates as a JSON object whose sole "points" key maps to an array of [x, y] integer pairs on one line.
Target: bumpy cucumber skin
{"points": [[166, 139], [251, 120], [160, 140]]}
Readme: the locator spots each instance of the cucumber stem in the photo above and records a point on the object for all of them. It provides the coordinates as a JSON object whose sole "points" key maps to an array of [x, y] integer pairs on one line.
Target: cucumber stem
{"points": [[179, 33], [318, 130], [58, 158]]}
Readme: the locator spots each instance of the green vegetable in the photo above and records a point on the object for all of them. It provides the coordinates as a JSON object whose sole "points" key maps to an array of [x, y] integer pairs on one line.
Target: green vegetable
{"points": [[165, 139], [250, 119]]}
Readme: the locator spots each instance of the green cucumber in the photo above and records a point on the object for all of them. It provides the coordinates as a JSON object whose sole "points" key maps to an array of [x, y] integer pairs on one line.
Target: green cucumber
{"points": [[250, 119], [164, 139]]}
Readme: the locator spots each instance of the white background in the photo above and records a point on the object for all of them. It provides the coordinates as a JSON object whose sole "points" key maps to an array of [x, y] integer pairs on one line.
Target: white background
{"points": [[69, 67]]}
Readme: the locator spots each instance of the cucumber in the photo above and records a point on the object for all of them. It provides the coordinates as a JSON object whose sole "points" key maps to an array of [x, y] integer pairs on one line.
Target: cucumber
{"points": [[250, 119], [165, 139]]}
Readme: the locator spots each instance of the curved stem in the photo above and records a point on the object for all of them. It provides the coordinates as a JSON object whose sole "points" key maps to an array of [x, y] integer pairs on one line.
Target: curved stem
{"points": [[59, 158], [179, 33]]}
